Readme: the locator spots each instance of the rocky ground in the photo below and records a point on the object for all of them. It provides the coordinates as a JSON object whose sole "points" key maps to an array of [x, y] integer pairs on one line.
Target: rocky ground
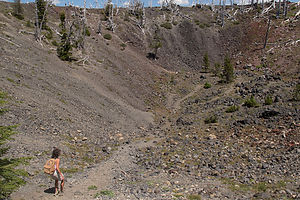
{"points": [[135, 128]]}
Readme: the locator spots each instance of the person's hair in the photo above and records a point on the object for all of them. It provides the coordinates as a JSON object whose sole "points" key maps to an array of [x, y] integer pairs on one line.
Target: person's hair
{"points": [[55, 153]]}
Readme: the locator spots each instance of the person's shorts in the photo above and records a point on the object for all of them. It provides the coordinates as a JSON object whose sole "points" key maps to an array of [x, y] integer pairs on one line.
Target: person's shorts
{"points": [[56, 176]]}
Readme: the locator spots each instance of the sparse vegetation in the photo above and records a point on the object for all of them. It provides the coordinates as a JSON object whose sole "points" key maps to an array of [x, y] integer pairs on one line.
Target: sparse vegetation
{"points": [[251, 102], [92, 187], [108, 193], [166, 25], [296, 93], [107, 36], [232, 109], [211, 119], [268, 100], [207, 85], [194, 197]]}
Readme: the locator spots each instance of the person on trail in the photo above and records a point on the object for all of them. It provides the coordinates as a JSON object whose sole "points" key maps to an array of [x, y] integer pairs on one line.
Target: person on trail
{"points": [[57, 175]]}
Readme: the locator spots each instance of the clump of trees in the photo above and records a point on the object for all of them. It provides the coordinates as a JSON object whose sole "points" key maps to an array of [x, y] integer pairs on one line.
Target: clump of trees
{"points": [[18, 10]]}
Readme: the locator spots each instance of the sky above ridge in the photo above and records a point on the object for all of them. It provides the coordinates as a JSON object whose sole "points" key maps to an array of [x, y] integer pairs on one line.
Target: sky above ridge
{"points": [[124, 3]]}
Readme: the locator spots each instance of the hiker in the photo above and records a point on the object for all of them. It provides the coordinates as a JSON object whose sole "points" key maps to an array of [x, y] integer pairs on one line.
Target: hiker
{"points": [[57, 175]]}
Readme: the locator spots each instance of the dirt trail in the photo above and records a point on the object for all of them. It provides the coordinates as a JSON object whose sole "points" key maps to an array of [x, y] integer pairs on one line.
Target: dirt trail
{"points": [[177, 103], [102, 176]]}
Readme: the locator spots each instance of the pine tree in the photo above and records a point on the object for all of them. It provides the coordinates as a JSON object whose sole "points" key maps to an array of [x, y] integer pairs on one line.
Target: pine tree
{"points": [[228, 72], [42, 17], [64, 48], [206, 62]]}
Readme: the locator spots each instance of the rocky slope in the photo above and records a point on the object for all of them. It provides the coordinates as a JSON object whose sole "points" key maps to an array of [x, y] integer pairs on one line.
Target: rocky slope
{"points": [[173, 137]]}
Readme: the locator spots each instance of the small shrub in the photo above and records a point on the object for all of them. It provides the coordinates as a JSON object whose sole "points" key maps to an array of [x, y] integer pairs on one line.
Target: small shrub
{"points": [[107, 193], [194, 197], [49, 34], [268, 100], [211, 119], [251, 102], [296, 95], [202, 26], [3, 110], [107, 36], [123, 46], [92, 187], [174, 23], [232, 109], [197, 22], [166, 25], [87, 32], [206, 62], [28, 24], [207, 85], [18, 16], [54, 43]]}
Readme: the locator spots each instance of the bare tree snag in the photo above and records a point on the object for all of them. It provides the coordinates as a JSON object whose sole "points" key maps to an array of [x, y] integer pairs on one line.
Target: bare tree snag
{"points": [[278, 11]]}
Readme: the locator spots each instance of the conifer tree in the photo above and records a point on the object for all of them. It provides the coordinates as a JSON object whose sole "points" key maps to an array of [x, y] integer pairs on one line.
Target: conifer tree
{"points": [[228, 72]]}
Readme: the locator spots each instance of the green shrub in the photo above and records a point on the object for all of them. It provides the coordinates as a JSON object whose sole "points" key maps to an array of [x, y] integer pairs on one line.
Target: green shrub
{"points": [[107, 193], [92, 187], [87, 32], [232, 109], [10, 178], [296, 95], [174, 23], [197, 22], [49, 34], [211, 119], [123, 46], [3, 110], [207, 85], [107, 36], [18, 16], [206, 62], [268, 100], [54, 43], [194, 197], [251, 102], [166, 25], [228, 71]]}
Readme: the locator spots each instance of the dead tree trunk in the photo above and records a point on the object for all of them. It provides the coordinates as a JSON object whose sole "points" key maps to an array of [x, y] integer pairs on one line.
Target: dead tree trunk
{"points": [[223, 13], [278, 11], [267, 33], [39, 24], [84, 25], [284, 8]]}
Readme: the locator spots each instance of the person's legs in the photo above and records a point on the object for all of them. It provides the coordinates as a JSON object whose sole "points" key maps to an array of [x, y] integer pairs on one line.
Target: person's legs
{"points": [[62, 185], [56, 187]]}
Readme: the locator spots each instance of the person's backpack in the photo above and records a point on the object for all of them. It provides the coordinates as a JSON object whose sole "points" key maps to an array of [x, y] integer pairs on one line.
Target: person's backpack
{"points": [[49, 167]]}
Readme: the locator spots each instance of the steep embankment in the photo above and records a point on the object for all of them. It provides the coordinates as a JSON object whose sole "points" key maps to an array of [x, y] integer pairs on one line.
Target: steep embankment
{"points": [[113, 95]]}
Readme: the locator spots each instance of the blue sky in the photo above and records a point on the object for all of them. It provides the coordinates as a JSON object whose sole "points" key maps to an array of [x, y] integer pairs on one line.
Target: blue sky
{"points": [[147, 3]]}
